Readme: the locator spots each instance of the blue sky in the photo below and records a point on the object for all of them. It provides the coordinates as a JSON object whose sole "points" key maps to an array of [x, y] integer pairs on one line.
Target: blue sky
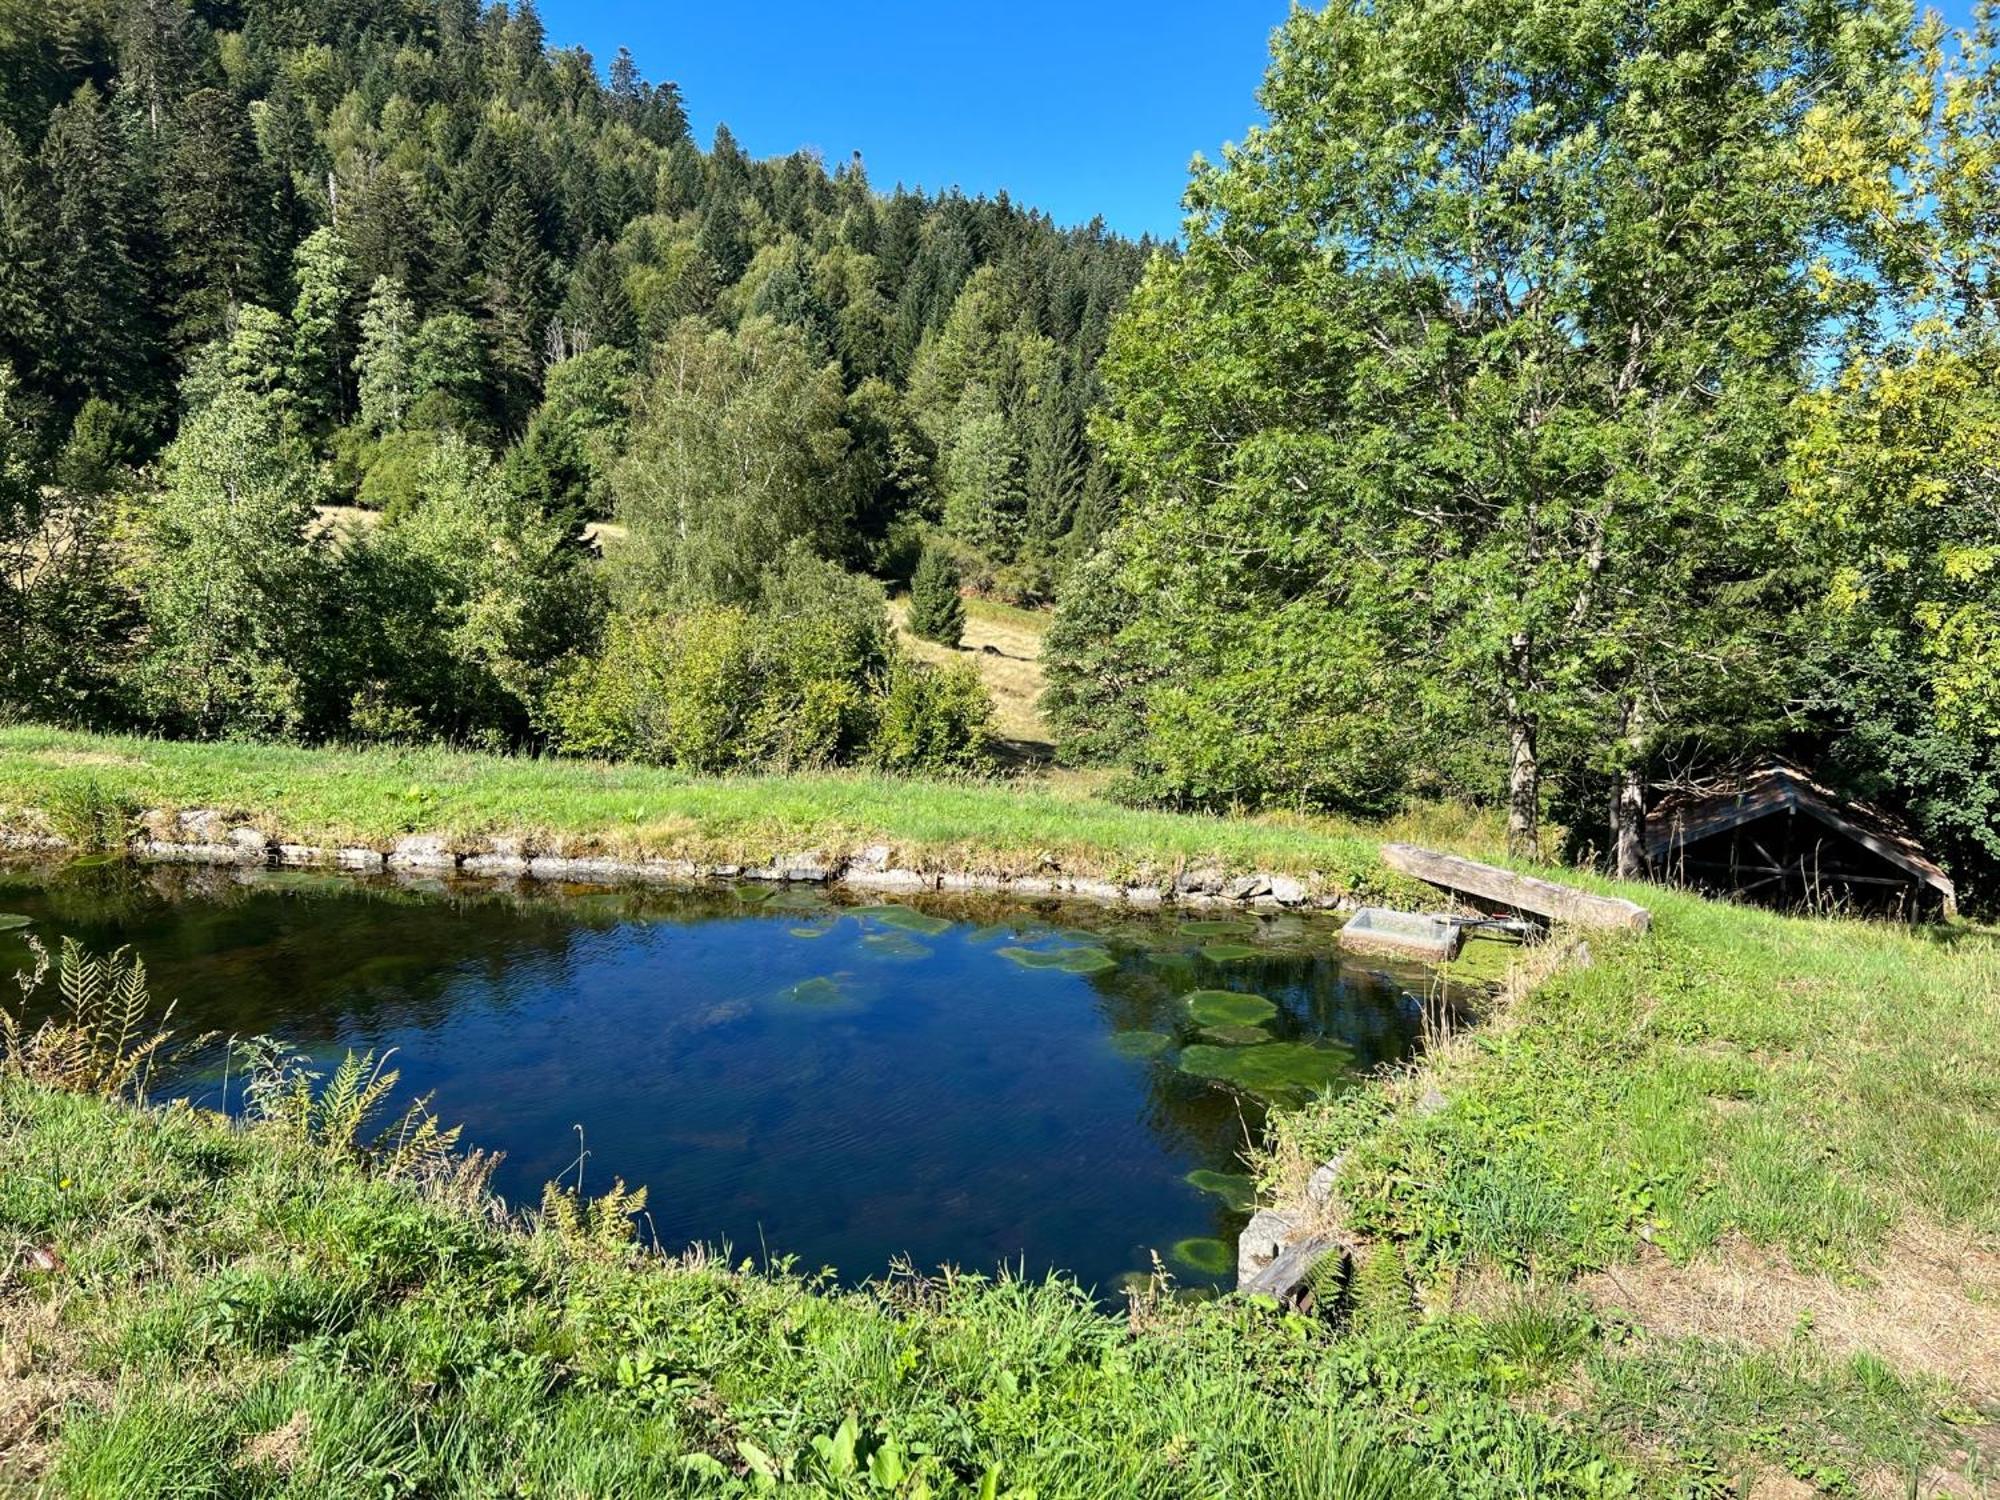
{"points": [[1088, 107]]}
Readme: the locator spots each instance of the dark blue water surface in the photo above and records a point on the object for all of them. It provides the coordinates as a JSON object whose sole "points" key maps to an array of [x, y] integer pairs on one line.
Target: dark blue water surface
{"points": [[789, 1073]]}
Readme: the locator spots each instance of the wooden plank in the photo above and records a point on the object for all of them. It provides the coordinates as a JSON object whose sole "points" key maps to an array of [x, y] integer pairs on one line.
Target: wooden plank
{"points": [[1288, 1272], [1558, 903]]}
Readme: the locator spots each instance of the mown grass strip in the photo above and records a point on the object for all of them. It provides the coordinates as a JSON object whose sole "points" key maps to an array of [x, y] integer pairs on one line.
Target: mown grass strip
{"points": [[376, 795]]}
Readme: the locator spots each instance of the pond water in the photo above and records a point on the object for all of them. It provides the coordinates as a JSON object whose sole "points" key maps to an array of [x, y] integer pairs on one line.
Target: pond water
{"points": [[789, 1072]]}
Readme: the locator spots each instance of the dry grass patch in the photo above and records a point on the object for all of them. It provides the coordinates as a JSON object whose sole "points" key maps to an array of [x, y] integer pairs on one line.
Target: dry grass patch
{"points": [[1005, 648], [41, 1376], [65, 759], [1932, 1308]]}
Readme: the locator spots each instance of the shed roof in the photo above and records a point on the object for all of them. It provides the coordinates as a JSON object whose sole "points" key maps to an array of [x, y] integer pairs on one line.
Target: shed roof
{"points": [[1690, 814]]}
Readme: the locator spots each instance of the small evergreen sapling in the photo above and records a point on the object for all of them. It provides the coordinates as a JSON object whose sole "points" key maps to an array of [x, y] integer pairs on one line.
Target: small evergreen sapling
{"points": [[937, 613]]}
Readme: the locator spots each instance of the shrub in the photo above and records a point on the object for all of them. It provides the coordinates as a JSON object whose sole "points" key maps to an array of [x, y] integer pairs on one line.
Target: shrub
{"points": [[937, 613], [674, 692], [934, 720]]}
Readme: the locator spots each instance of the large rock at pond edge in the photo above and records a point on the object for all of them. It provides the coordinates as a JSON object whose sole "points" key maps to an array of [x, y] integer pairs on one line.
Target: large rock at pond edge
{"points": [[424, 851]]}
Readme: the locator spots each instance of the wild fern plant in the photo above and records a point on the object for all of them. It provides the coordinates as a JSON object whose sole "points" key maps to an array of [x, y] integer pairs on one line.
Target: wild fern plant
{"points": [[1383, 1300], [103, 1040], [280, 1089], [592, 1228]]}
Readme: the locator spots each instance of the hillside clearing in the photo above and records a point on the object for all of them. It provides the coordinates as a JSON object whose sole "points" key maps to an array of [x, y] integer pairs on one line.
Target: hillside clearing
{"points": [[1005, 646]]}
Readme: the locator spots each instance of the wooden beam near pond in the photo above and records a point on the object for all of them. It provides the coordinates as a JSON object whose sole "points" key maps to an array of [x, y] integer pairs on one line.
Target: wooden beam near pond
{"points": [[1498, 887]]}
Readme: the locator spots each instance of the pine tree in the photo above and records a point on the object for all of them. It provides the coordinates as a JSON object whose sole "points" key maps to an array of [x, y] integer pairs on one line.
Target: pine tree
{"points": [[937, 611]]}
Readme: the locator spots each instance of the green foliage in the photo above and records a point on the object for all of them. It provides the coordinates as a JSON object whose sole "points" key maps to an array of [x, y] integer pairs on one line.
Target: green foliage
{"points": [[563, 463], [383, 367], [283, 1093], [600, 1228], [321, 354], [1436, 487], [738, 450], [232, 574], [402, 229], [1382, 1300], [60, 610], [465, 603], [933, 720], [937, 610], [89, 815]]}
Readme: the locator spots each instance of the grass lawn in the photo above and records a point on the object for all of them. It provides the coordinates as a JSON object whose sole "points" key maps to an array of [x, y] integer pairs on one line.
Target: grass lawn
{"points": [[374, 796], [1760, 1153]]}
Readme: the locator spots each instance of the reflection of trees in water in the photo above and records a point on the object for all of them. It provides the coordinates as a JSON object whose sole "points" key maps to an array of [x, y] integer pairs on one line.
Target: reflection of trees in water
{"points": [[311, 956]]}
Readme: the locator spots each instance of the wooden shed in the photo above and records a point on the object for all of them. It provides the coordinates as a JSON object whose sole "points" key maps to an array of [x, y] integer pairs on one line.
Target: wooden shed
{"points": [[1777, 837]]}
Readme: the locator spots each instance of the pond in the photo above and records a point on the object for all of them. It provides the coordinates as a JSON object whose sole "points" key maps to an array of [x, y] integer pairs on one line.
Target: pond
{"points": [[790, 1072]]}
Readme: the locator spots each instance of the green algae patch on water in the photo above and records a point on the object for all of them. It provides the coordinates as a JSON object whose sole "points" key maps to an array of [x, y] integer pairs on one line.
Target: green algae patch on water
{"points": [[1141, 1043], [1236, 1036], [754, 895], [895, 945], [1067, 960], [810, 932], [1229, 1008], [1222, 953], [820, 991], [1280, 1069], [1208, 1256], [9, 920], [1236, 1191], [907, 918]]}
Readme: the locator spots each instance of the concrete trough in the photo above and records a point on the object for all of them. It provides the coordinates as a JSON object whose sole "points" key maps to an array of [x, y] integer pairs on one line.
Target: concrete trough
{"points": [[1379, 932]]}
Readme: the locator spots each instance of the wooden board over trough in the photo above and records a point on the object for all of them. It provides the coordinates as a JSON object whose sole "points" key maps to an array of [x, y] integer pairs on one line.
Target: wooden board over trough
{"points": [[1497, 887], [1776, 836]]}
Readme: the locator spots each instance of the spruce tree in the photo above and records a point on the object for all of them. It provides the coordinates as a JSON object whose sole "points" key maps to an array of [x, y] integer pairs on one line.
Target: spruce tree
{"points": [[597, 311], [103, 321], [24, 267], [937, 611], [213, 214], [517, 300], [723, 239]]}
